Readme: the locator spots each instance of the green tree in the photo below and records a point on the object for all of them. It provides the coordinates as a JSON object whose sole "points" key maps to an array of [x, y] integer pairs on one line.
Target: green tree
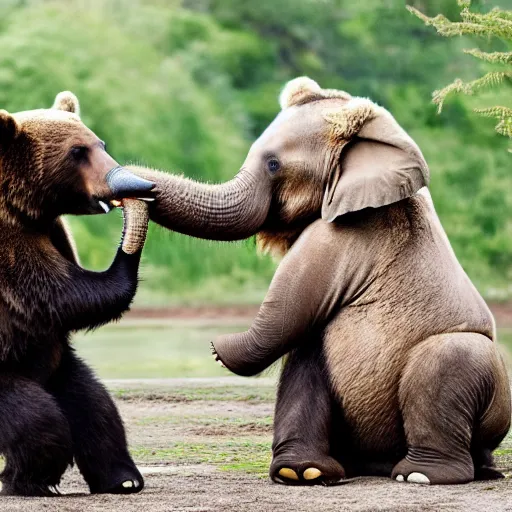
{"points": [[496, 23]]}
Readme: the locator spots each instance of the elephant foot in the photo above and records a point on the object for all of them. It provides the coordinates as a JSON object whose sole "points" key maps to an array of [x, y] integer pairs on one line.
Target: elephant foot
{"points": [[433, 472], [325, 471]]}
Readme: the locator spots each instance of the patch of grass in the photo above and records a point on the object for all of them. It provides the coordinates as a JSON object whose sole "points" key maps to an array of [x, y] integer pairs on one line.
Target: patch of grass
{"points": [[185, 394], [250, 455], [259, 468], [201, 421]]}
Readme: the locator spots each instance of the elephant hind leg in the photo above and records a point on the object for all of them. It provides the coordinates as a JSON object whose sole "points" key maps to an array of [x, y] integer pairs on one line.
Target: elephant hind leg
{"points": [[302, 425], [493, 426], [484, 465], [453, 404]]}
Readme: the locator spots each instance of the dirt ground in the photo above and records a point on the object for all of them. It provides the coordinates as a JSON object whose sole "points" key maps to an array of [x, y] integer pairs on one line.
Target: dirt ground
{"points": [[204, 445]]}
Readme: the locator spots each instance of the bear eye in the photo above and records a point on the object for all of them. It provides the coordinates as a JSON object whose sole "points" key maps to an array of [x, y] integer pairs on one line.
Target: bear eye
{"points": [[273, 165], [79, 152]]}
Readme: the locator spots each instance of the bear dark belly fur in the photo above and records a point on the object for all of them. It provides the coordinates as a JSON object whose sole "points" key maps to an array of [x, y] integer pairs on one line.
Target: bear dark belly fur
{"points": [[31, 342]]}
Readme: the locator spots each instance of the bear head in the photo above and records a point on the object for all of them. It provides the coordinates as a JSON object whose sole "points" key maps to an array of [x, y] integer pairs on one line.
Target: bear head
{"points": [[52, 164]]}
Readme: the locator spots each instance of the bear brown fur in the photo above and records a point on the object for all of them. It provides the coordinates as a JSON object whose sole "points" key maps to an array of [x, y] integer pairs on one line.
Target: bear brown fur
{"points": [[53, 410]]}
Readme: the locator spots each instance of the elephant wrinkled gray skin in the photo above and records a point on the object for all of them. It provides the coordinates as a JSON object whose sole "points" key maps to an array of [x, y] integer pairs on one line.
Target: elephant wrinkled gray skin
{"points": [[392, 367]]}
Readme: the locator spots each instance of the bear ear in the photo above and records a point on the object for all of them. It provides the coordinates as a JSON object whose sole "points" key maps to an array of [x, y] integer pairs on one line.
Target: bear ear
{"points": [[9, 128], [68, 102]]}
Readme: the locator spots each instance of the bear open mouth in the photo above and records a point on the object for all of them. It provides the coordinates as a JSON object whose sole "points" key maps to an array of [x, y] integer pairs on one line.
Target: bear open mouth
{"points": [[118, 203]]}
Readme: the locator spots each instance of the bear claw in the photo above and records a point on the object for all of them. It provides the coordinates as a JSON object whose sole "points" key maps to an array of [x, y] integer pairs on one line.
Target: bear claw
{"points": [[127, 487]]}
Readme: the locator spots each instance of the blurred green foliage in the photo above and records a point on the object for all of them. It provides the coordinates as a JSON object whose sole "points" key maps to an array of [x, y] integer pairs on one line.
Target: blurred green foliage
{"points": [[484, 25], [185, 85]]}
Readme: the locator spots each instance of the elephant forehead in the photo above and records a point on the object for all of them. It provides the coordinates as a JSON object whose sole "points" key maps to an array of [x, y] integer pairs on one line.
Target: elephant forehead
{"points": [[294, 125]]}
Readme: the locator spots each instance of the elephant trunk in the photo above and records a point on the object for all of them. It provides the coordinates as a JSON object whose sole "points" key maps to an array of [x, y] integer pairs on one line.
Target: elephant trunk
{"points": [[231, 211]]}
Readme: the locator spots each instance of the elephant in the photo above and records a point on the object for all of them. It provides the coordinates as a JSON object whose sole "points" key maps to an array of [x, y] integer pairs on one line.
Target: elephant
{"points": [[391, 364]]}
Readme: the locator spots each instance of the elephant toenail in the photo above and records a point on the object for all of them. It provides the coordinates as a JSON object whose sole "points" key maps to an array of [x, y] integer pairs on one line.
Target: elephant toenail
{"points": [[400, 478], [288, 473], [418, 478], [127, 484], [311, 473]]}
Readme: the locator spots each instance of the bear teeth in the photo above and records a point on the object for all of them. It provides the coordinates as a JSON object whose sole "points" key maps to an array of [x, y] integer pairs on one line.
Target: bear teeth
{"points": [[105, 206]]}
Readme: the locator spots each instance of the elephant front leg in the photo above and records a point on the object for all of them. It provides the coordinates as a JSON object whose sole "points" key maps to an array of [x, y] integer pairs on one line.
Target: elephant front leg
{"points": [[277, 329], [303, 420], [300, 300]]}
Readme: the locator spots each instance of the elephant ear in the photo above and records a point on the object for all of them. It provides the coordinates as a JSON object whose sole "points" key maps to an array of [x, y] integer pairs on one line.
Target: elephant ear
{"points": [[379, 163]]}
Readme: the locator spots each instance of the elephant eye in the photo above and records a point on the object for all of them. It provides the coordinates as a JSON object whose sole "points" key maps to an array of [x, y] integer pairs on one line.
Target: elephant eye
{"points": [[273, 165]]}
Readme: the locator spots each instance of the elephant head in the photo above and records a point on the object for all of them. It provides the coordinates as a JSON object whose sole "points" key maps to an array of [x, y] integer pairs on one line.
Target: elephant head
{"points": [[326, 154]]}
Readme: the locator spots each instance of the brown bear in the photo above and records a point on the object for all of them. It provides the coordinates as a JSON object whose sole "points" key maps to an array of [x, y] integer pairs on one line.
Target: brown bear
{"points": [[52, 408]]}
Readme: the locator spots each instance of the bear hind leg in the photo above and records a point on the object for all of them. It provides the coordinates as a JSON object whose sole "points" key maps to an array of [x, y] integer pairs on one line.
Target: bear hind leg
{"points": [[34, 437], [99, 439]]}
